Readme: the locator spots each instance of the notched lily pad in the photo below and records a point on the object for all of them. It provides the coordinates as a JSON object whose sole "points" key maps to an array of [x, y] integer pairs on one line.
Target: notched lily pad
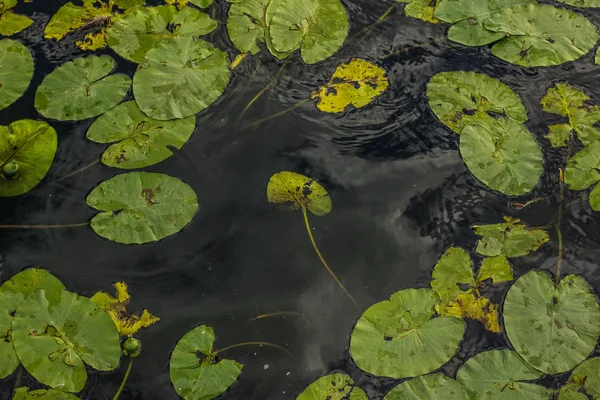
{"points": [[333, 387], [141, 207], [11, 22], [16, 71], [23, 393], [293, 191], [141, 141], [56, 333], [400, 337], [27, 149], [584, 382], [195, 370], [582, 172], [246, 25], [510, 238], [427, 387], [421, 9], [81, 89], [552, 328], [355, 83]]}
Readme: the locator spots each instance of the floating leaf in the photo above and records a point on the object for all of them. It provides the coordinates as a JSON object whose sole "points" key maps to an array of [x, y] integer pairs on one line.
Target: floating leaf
{"points": [[23, 393], [180, 77], [427, 387], [127, 324], [81, 89], [141, 207], [502, 154], [333, 387], [294, 191], [12, 294], [11, 22], [499, 375], [201, 3], [553, 329], [399, 338], [142, 141], [510, 238], [246, 24], [16, 70], [93, 13], [194, 369], [317, 27], [354, 83], [582, 172], [459, 98], [584, 382], [27, 149], [421, 9], [145, 28], [454, 269], [568, 101], [56, 333]]}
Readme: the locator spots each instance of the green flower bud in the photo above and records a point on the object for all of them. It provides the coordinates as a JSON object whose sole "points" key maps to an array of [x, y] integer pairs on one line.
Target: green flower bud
{"points": [[10, 169], [131, 347]]}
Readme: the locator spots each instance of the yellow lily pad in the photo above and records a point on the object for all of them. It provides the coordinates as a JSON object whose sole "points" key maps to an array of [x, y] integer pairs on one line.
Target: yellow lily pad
{"points": [[294, 191], [11, 22]]}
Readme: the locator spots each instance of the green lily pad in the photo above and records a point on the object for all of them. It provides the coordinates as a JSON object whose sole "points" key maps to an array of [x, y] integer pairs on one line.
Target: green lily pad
{"points": [[23, 393], [582, 172], [56, 333], [11, 22], [333, 387], [553, 329], [399, 338], [427, 387], [81, 89], [293, 191], [201, 3], [180, 77], [499, 375], [141, 207], [317, 27], [142, 141], [469, 16], [194, 369], [583, 382], [459, 98], [510, 238], [145, 28], [12, 294], [16, 71], [421, 9], [246, 24], [27, 149], [568, 101], [502, 154]]}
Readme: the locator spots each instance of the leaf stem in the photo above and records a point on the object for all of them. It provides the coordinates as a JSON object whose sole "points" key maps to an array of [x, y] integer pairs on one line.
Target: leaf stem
{"points": [[312, 240], [268, 87], [278, 114], [368, 29], [276, 346], [280, 314], [124, 381], [77, 171], [44, 226]]}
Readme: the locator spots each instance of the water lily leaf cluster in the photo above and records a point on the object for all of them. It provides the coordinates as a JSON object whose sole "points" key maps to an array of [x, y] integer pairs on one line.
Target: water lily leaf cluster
{"points": [[582, 172], [334, 387], [292, 191], [195, 370], [10, 21], [522, 32], [16, 71], [509, 239], [355, 83], [431, 387], [489, 116], [317, 28], [421, 9], [584, 382], [459, 289]]}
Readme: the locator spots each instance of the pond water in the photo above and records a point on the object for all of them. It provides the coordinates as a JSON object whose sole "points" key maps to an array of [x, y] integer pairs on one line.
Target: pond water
{"points": [[400, 190]]}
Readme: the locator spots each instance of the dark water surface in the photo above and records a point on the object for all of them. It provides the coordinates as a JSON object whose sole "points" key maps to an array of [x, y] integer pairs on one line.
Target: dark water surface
{"points": [[401, 195]]}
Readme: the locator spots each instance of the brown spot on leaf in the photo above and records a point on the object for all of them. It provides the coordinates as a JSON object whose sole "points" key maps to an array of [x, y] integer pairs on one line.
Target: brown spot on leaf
{"points": [[148, 195]]}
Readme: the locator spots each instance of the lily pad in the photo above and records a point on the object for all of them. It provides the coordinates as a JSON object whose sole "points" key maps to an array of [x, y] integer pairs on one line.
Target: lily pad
{"points": [[293, 191], [27, 149], [502, 154], [427, 387], [11, 22], [95, 14], [195, 372], [56, 333], [16, 71], [246, 24], [454, 271], [333, 387], [499, 375], [510, 238], [23, 393], [81, 89], [553, 329], [355, 83], [180, 77], [568, 101], [145, 28], [421, 9], [583, 382], [142, 141], [317, 27], [459, 98], [400, 337], [12, 294], [141, 207], [582, 172]]}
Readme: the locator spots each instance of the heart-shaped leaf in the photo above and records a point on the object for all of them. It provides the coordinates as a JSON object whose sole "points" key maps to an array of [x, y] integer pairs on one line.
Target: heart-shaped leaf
{"points": [[293, 191], [510, 239], [427, 387], [333, 387]]}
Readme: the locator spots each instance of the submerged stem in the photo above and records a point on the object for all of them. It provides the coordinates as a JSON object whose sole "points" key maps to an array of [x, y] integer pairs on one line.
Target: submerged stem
{"points": [[276, 346], [368, 29], [280, 314], [77, 171], [44, 226], [312, 240], [266, 88], [124, 381], [278, 114], [558, 231]]}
